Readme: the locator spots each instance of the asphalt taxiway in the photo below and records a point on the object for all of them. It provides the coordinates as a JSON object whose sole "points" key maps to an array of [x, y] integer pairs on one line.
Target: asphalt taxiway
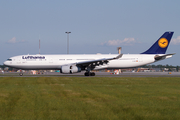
{"points": [[98, 74]]}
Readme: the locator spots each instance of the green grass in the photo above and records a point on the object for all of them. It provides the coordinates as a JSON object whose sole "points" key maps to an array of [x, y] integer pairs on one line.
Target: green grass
{"points": [[93, 98]]}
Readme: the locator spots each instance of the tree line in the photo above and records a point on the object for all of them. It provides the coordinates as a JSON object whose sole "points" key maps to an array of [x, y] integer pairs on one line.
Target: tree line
{"points": [[170, 67]]}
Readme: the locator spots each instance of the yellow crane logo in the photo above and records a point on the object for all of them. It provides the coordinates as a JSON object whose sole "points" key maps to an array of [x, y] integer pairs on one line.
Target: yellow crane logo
{"points": [[163, 42]]}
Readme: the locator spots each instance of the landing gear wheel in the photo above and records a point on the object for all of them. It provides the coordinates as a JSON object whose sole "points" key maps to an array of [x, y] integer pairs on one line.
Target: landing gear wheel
{"points": [[92, 74], [89, 74], [86, 73]]}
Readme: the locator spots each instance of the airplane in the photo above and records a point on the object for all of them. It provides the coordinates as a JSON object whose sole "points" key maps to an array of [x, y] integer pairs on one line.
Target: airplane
{"points": [[69, 64]]}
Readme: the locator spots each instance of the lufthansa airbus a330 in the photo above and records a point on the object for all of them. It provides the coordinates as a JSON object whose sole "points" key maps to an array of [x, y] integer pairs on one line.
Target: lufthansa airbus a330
{"points": [[69, 64]]}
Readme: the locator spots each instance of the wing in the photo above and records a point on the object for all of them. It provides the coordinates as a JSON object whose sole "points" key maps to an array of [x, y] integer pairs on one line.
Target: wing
{"points": [[92, 63]]}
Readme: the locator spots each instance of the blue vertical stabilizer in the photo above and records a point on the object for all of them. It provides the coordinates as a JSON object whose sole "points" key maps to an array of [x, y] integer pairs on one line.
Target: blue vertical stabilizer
{"points": [[161, 45]]}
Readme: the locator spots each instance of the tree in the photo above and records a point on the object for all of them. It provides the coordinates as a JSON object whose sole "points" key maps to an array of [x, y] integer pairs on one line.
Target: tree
{"points": [[177, 68]]}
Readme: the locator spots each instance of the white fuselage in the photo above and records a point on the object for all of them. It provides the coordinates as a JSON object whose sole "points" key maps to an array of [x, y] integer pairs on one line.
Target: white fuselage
{"points": [[35, 62]]}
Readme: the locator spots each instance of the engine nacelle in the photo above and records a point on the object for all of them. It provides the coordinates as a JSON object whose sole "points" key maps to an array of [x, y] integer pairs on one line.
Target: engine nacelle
{"points": [[70, 69]]}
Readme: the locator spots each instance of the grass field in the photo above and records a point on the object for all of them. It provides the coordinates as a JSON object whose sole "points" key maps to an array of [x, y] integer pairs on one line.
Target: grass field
{"points": [[93, 98]]}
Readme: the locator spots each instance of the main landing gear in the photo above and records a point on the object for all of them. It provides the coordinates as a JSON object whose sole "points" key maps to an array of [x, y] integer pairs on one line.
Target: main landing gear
{"points": [[89, 73]]}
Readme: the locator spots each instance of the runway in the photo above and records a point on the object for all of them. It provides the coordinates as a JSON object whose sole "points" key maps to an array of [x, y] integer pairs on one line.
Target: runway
{"points": [[98, 74]]}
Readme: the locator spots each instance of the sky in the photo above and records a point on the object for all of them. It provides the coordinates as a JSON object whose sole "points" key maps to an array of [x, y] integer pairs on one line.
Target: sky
{"points": [[96, 26]]}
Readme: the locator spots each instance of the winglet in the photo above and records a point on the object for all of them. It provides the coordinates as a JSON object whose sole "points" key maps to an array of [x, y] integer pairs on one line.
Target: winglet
{"points": [[119, 56], [161, 45]]}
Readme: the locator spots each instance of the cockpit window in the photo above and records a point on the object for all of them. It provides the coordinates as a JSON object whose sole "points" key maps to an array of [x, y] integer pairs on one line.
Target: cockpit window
{"points": [[9, 59]]}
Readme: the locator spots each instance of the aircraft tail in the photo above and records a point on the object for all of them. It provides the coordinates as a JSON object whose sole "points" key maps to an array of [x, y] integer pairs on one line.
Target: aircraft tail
{"points": [[161, 45]]}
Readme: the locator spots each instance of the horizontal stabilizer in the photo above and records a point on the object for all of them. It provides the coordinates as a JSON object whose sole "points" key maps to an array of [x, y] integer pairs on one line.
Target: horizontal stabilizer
{"points": [[157, 57]]}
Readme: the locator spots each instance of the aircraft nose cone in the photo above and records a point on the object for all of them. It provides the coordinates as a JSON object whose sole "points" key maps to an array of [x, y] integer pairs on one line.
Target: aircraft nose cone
{"points": [[5, 63]]}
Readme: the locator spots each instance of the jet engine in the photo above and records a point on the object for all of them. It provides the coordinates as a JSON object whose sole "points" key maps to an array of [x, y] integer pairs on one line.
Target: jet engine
{"points": [[70, 69]]}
